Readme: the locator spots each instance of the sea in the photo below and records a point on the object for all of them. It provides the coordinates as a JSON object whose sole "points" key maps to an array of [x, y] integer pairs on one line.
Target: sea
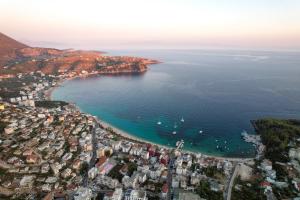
{"points": [[205, 97]]}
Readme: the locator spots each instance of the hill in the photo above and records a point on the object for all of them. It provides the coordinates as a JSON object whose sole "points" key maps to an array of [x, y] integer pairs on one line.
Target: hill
{"points": [[16, 57], [277, 135], [9, 45]]}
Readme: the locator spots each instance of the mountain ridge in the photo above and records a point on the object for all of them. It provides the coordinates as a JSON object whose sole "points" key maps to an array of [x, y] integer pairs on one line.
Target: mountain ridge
{"points": [[8, 47], [16, 57]]}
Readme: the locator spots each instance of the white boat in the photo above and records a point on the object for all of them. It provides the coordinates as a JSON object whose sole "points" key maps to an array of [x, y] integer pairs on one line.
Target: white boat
{"points": [[159, 123], [174, 133], [182, 120], [200, 131]]}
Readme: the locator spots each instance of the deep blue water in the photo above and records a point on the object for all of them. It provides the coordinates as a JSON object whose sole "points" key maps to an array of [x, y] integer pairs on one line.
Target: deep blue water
{"points": [[216, 91]]}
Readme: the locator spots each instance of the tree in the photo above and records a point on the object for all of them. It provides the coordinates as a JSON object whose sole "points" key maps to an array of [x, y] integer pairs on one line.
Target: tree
{"points": [[276, 134], [204, 191], [84, 168], [2, 126], [131, 168], [107, 153]]}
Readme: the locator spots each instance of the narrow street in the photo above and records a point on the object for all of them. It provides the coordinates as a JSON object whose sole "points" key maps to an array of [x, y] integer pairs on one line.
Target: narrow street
{"points": [[169, 178], [227, 194], [94, 143], [94, 155]]}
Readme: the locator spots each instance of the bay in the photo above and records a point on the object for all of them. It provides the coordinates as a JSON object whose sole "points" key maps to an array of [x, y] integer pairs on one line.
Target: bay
{"points": [[207, 97]]}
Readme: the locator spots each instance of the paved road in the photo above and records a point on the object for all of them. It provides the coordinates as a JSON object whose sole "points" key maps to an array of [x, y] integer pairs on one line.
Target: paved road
{"points": [[94, 143], [99, 190], [94, 155], [233, 175], [271, 196], [171, 162], [169, 178]]}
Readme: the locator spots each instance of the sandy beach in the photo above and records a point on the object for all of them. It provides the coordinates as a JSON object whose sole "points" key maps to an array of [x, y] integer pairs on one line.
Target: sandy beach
{"points": [[129, 136]]}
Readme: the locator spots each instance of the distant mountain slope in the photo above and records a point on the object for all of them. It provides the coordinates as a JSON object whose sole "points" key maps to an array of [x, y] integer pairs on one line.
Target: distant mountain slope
{"points": [[9, 45], [16, 57]]}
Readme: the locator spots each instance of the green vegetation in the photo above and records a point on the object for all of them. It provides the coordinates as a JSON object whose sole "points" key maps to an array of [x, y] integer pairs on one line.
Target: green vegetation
{"points": [[131, 168], [285, 193], [107, 153], [44, 153], [109, 129], [126, 159], [212, 171], [276, 134], [153, 198], [56, 121], [156, 186], [67, 147], [50, 104], [204, 191], [247, 190], [115, 138], [2, 126], [99, 196], [195, 166], [2, 172], [84, 168], [11, 87], [115, 172], [281, 172], [113, 62]]}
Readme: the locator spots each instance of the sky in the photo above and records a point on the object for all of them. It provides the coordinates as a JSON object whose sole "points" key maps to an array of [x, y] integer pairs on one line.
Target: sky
{"points": [[105, 24]]}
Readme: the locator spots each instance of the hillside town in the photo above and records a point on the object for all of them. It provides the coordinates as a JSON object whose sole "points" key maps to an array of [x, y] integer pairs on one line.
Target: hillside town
{"points": [[48, 148], [51, 150]]}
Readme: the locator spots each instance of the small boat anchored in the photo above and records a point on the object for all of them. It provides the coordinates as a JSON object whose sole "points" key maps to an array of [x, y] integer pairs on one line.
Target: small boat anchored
{"points": [[182, 120], [174, 133], [179, 144], [159, 123]]}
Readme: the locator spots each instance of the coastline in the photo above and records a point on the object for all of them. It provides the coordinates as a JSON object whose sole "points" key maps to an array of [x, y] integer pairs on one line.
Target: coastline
{"points": [[104, 124], [126, 135]]}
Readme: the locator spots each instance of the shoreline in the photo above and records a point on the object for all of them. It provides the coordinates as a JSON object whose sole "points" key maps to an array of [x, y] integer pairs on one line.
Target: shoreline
{"points": [[126, 135]]}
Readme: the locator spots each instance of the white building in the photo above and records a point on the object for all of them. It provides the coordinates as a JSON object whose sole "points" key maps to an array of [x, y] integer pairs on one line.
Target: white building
{"points": [[136, 195], [83, 194], [118, 194], [175, 182], [92, 173]]}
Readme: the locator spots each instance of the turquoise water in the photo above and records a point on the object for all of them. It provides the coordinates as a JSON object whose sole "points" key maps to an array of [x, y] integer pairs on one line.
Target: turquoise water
{"points": [[216, 92]]}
